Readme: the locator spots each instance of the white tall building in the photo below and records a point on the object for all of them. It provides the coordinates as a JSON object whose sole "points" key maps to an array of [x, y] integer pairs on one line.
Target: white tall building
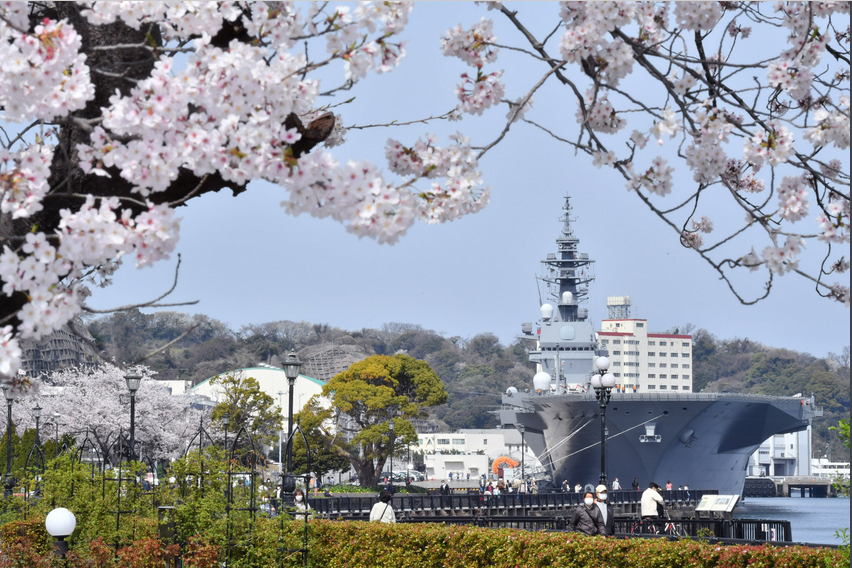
{"points": [[646, 362], [783, 455]]}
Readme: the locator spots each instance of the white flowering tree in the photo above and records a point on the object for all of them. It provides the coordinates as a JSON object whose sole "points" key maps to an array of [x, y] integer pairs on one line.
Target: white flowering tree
{"points": [[117, 113], [97, 400]]}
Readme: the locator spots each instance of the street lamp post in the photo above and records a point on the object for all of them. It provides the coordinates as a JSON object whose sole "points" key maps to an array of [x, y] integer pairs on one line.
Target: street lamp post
{"points": [[292, 366], [226, 419], [280, 434], [133, 380], [37, 415], [9, 481], [391, 450], [56, 417], [521, 428], [603, 383]]}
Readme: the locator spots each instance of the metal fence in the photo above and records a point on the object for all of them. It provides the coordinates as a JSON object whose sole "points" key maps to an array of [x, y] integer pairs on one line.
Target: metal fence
{"points": [[348, 506]]}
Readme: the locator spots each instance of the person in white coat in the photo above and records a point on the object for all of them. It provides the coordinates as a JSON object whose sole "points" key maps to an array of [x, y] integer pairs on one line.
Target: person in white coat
{"points": [[382, 511], [653, 505]]}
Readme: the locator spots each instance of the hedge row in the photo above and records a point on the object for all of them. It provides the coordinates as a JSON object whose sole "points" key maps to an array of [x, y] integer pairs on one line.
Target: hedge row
{"points": [[358, 544], [370, 545]]}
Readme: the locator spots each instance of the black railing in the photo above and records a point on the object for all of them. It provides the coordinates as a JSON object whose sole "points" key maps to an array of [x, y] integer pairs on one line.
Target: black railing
{"points": [[348, 506]]}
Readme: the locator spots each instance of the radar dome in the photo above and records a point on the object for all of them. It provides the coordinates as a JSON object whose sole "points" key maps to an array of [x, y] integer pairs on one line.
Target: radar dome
{"points": [[567, 298], [511, 390], [546, 311], [541, 381]]}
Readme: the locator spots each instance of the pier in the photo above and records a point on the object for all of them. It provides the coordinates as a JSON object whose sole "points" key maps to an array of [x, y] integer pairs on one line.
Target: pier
{"points": [[803, 485]]}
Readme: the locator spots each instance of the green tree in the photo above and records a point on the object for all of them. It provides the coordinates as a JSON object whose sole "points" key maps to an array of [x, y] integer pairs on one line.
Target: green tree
{"points": [[364, 400], [248, 407]]}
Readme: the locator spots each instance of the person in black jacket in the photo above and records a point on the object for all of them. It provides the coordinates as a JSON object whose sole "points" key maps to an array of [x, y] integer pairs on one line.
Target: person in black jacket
{"points": [[445, 492], [606, 511], [587, 517]]}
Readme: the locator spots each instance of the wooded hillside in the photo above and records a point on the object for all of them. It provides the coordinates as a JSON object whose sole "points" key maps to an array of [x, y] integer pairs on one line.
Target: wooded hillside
{"points": [[476, 370]]}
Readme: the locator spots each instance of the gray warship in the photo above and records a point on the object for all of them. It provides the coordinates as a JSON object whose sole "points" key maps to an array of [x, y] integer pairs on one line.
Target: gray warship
{"points": [[699, 440]]}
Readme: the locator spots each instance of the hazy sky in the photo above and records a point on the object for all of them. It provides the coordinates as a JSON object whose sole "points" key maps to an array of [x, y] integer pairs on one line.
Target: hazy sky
{"points": [[249, 262]]}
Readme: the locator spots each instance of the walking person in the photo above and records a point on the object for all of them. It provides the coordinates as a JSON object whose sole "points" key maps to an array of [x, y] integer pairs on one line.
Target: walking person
{"points": [[606, 511], [635, 484], [445, 494], [578, 488], [616, 486], [382, 511], [566, 487], [587, 517], [652, 505], [303, 510], [669, 485]]}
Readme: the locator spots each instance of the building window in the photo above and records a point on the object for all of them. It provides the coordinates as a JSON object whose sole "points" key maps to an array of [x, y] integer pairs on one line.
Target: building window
{"points": [[684, 354], [632, 341], [674, 376], [616, 352], [652, 376], [662, 343], [662, 354], [640, 324], [685, 377], [662, 376], [685, 366], [652, 387], [634, 353], [674, 365], [652, 343], [616, 374], [443, 441], [685, 344], [674, 354], [652, 365], [616, 363], [616, 342], [458, 441], [618, 325], [652, 354], [663, 387], [484, 441], [662, 365], [674, 387], [686, 388], [631, 363], [605, 341]]}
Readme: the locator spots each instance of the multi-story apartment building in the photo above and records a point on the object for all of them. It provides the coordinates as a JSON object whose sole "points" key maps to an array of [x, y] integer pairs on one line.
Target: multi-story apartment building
{"points": [[643, 361]]}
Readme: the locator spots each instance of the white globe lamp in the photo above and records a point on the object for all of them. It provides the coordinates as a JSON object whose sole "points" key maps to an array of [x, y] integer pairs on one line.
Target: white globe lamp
{"points": [[60, 523], [608, 381], [602, 363], [596, 381]]}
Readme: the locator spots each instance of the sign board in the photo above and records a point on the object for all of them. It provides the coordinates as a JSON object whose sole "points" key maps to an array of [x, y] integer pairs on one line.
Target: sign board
{"points": [[718, 503]]}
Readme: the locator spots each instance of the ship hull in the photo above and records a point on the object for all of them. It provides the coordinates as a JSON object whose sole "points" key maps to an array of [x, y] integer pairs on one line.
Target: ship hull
{"points": [[700, 440]]}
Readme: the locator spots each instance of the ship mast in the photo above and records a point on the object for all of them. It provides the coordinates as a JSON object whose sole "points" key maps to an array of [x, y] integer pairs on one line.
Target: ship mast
{"points": [[568, 270]]}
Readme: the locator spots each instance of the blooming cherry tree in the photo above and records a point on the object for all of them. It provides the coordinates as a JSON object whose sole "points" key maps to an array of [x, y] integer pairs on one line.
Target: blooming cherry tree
{"points": [[96, 402], [765, 125], [117, 113]]}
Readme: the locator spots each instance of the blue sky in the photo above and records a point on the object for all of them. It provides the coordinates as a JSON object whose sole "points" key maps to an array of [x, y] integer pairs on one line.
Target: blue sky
{"points": [[249, 262]]}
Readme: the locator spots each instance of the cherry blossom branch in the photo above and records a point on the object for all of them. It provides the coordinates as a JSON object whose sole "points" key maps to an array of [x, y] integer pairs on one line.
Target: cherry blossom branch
{"points": [[166, 346], [150, 304]]}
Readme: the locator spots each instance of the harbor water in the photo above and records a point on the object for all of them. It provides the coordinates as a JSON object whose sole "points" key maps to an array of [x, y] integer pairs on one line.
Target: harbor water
{"points": [[812, 520]]}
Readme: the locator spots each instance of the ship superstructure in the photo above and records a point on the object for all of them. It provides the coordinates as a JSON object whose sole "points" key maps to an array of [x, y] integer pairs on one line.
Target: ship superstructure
{"points": [[698, 440]]}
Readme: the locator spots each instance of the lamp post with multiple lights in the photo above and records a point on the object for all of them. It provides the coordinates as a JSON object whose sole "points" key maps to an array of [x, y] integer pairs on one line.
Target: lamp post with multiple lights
{"points": [[603, 384]]}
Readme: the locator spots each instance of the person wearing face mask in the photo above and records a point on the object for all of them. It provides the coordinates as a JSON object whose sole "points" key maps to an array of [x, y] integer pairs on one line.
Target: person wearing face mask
{"points": [[606, 511], [303, 510], [382, 511], [587, 517]]}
